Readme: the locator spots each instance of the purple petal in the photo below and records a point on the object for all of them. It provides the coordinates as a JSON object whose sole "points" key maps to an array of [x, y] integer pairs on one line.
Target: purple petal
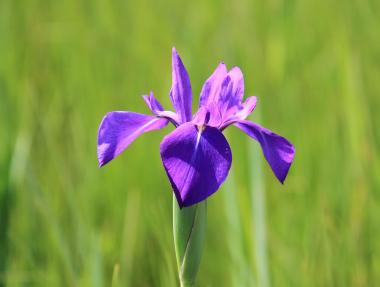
{"points": [[246, 108], [118, 129], [180, 93], [210, 116], [196, 161], [157, 109], [222, 94], [278, 151], [211, 88], [235, 94], [242, 113], [153, 104]]}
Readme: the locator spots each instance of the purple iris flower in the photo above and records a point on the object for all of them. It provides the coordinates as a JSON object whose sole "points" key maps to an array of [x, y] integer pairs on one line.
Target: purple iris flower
{"points": [[196, 155]]}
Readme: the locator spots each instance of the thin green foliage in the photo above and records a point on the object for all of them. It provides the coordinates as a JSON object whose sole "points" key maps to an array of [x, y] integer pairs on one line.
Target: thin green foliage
{"points": [[64, 64]]}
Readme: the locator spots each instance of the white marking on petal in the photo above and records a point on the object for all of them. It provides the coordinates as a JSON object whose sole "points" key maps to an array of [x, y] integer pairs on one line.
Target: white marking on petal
{"points": [[194, 155], [144, 126]]}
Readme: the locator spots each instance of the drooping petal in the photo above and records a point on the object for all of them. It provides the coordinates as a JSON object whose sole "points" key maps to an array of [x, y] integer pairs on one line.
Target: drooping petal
{"points": [[180, 92], [118, 129], [196, 162], [278, 151], [244, 110], [157, 109]]}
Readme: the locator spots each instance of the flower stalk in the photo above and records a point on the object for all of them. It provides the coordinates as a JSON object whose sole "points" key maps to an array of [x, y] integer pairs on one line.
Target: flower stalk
{"points": [[189, 229]]}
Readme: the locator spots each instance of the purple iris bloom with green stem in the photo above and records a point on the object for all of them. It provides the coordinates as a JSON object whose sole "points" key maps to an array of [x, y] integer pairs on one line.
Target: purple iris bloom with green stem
{"points": [[196, 155]]}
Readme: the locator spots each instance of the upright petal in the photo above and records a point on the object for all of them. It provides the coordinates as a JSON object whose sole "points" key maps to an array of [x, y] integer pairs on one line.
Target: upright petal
{"points": [[235, 93], [222, 94], [211, 88], [210, 116], [180, 93], [278, 151], [153, 104], [157, 109], [119, 129], [246, 108], [196, 162]]}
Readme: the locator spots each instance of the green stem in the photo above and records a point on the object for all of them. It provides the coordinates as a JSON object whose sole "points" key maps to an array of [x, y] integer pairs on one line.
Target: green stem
{"points": [[189, 228]]}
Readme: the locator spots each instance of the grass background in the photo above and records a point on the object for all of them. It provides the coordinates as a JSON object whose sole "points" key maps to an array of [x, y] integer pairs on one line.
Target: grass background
{"points": [[315, 66]]}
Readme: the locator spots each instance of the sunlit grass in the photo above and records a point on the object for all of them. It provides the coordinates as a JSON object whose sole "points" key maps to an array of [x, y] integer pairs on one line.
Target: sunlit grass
{"points": [[314, 66]]}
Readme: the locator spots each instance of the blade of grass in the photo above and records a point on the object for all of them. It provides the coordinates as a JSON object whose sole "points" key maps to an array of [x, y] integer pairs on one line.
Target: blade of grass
{"points": [[257, 191], [240, 267]]}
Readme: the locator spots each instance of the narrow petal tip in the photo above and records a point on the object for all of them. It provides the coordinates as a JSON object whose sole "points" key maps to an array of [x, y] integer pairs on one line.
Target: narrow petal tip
{"points": [[278, 151], [174, 52], [292, 154], [180, 93], [101, 164], [146, 99], [222, 64]]}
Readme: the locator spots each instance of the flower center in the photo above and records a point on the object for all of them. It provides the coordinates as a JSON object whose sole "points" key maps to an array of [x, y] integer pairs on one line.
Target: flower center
{"points": [[201, 128]]}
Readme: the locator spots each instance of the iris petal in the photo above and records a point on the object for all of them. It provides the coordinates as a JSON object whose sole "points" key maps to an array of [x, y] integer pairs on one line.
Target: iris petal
{"points": [[278, 151], [153, 104], [246, 108], [157, 109], [211, 88], [241, 113], [196, 160], [235, 93], [119, 129], [222, 94], [180, 93]]}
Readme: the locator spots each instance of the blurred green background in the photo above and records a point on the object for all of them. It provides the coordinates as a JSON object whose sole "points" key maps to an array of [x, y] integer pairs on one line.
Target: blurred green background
{"points": [[315, 66]]}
